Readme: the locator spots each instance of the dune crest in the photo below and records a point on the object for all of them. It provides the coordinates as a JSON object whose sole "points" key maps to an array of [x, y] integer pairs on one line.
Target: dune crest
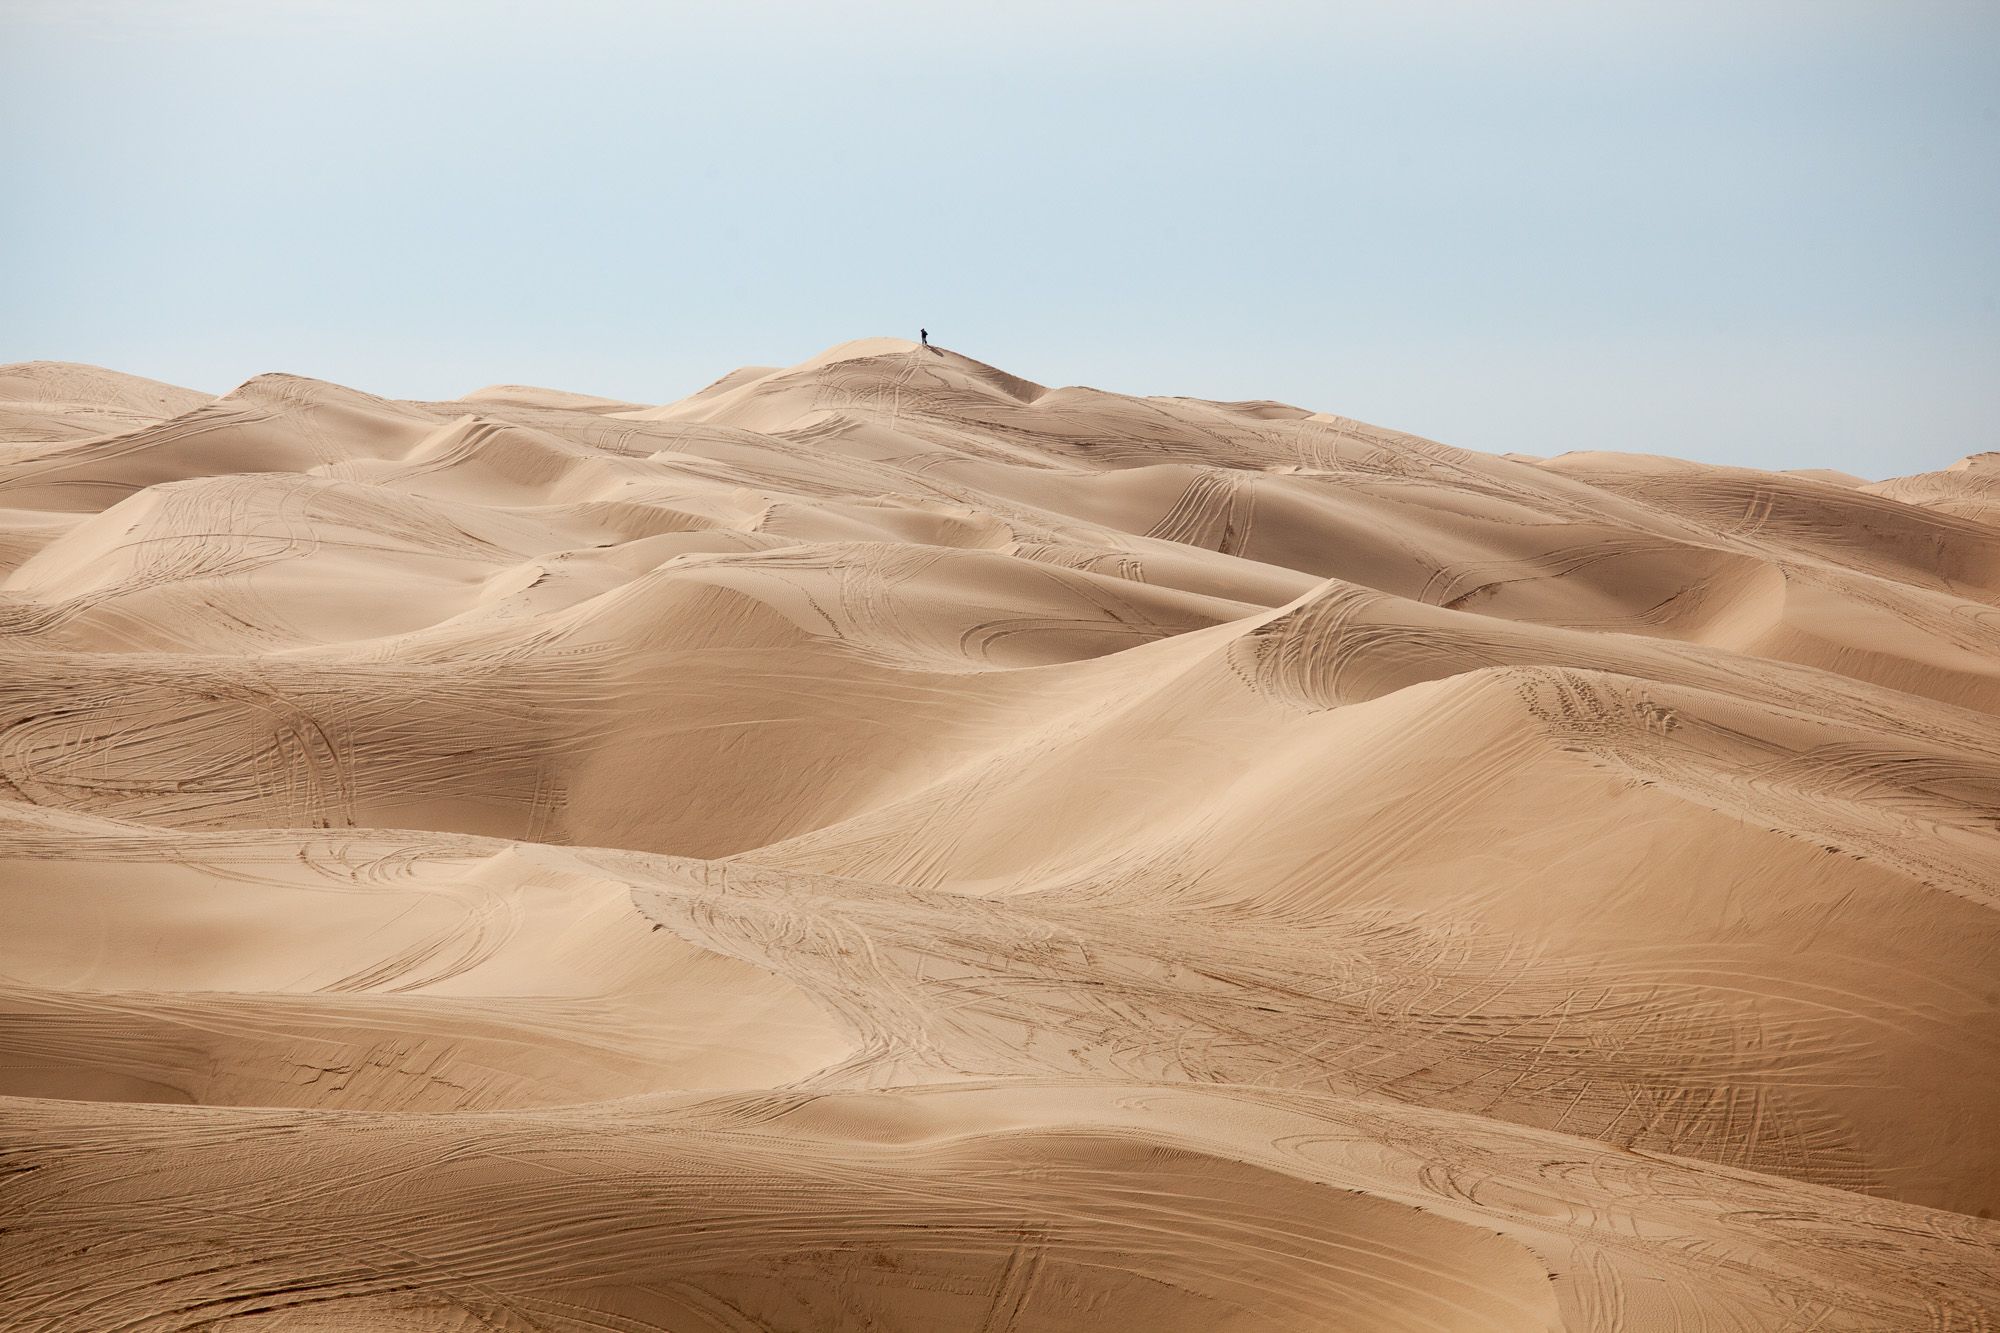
{"points": [[884, 843]]}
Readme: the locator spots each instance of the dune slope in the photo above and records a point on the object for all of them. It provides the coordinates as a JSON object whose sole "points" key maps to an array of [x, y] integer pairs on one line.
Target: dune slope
{"points": [[881, 843]]}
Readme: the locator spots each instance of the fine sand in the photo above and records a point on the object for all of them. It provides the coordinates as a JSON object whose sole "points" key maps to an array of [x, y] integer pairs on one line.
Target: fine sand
{"points": [[882, 844]]}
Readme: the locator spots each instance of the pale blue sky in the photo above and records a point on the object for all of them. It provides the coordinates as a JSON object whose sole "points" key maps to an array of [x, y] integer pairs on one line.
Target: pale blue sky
{"points": [[1754, 232]]}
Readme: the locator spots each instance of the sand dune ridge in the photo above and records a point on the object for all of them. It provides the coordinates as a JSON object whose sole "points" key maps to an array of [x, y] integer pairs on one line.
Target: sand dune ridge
{"points": [[884, 843]]}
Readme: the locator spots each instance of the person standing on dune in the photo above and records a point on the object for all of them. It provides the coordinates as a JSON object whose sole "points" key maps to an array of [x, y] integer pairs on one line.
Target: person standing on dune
{"points": [[925, 334]]}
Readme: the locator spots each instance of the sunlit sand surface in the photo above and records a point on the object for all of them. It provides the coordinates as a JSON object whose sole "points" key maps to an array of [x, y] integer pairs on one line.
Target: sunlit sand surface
{"points": [[882, 844]]}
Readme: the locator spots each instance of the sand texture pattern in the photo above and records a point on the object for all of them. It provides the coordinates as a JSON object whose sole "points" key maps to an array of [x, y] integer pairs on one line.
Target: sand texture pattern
{"points": [[882, 844]]}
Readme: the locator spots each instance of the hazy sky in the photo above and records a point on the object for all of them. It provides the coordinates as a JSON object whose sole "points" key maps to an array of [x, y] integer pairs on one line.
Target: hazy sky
{"points": [[1764, 233]]}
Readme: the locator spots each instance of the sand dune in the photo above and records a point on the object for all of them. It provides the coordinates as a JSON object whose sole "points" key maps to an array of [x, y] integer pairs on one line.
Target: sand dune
{"points": [[881, 843]]}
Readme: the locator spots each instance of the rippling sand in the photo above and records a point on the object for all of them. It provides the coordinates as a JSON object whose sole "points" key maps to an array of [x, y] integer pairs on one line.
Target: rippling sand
{"points": [[882, 844]]}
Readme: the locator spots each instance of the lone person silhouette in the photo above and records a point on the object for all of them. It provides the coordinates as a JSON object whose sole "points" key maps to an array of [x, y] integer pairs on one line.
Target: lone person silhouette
{"points": [[925, 334]]}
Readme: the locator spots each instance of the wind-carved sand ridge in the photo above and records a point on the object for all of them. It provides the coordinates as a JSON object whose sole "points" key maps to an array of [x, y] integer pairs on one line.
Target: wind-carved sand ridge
{"points": [[885, 844]]}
